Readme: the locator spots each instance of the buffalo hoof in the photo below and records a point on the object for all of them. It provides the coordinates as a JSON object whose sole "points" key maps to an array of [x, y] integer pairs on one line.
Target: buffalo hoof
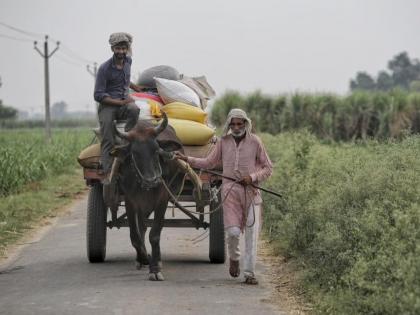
{"points": [[158, 276], [143, 262]]}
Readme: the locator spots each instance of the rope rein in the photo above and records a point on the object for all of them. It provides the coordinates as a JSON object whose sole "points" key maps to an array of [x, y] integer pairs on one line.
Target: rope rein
{"points": [[138, 173], [214, 197]]}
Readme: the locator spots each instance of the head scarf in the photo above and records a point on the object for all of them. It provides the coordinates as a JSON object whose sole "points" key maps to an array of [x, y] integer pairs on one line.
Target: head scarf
{"points": [[237, 113], [116, 38]]}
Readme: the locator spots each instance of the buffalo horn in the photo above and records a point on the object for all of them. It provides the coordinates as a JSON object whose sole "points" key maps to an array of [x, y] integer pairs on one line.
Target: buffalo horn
{"points": [[121, 134], [159, 128]]}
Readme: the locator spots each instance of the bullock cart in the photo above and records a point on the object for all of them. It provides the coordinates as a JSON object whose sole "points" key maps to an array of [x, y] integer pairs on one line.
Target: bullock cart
{"points": [[201, 210]]}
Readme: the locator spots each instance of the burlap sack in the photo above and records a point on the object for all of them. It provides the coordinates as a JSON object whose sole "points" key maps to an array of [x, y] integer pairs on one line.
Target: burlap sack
{"points": [[89, 157], [165, 72]]}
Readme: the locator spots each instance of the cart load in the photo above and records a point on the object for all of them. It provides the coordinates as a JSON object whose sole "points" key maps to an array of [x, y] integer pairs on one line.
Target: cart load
{"points": [[174, 91], [183, 101], [191, 132], [149, 104], [147, 77], [179, 110]]}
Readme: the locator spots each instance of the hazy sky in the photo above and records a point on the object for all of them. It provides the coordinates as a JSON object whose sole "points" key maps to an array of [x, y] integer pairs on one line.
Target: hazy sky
{"points": [[273, 45]]}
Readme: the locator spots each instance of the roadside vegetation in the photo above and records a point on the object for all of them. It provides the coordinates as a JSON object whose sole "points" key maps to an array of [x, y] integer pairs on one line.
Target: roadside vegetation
{"points": [[37, 178], [348, 169], [26, 157], [350, 218]]}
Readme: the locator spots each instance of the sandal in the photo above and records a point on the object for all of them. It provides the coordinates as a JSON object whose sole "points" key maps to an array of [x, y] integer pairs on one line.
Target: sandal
{"points": [[234, 270], [251, 280]]}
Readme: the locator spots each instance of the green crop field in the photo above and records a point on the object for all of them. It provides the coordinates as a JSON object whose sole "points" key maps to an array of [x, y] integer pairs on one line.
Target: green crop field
{"points": [[25, 157]]}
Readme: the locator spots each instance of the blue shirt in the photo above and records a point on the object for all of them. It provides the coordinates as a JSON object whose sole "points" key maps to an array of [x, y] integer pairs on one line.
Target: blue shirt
{"points": [[111, 81]]}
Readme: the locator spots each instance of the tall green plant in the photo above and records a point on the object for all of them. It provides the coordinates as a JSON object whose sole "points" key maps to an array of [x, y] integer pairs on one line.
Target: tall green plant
{"points": [[361, 115], [25, 157], [350, 216]]}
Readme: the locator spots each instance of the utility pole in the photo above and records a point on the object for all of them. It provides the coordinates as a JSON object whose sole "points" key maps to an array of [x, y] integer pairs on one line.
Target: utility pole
{"points": [[46, 57], [94, 73]]}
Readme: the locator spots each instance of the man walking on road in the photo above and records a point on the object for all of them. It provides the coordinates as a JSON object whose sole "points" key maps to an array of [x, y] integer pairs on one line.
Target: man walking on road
{"points": [[243, 157], [111, 92]]}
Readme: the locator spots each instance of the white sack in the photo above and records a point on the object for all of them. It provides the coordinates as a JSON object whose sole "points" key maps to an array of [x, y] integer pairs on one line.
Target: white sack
{"points": [[173, 91]]}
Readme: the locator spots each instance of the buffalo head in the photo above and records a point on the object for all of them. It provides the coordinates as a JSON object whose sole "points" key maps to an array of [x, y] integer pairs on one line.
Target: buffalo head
{"points": [[146, 143]]}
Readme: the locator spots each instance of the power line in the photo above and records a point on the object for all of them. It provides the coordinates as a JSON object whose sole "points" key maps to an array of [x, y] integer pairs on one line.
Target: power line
{"points": [[70, 62], [73, 54], [74, 62], [16, 38], [64, 48], [67, 51], [46, 56], [21, 30]]}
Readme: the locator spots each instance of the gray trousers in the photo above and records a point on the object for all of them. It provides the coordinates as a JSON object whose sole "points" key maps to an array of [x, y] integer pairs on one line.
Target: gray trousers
{"points": [[107, 114]]}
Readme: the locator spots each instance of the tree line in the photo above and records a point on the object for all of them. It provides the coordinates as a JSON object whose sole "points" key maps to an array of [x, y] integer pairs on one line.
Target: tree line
{"points": [[403, 73], [7, 112]]}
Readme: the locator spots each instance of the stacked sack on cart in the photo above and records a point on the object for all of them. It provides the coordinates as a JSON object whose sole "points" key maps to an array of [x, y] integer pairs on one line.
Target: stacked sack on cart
{"points": [[182, 98]]}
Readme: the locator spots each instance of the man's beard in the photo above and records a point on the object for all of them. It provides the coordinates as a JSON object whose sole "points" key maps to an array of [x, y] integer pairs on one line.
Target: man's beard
{"points": [[119, 56], [239, 134]]}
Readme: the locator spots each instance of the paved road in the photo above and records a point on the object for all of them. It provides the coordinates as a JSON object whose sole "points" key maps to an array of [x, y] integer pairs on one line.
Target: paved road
{"points": [[52, 276]]}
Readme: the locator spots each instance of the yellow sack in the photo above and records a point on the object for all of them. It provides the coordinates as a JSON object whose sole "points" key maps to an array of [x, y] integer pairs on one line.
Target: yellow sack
{"points": [[89, 157], [191, 132], [155, 109], [180, 110]]}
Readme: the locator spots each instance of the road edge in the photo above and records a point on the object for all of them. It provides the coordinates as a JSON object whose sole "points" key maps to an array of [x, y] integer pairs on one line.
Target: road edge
{"points": [[37, 232]]}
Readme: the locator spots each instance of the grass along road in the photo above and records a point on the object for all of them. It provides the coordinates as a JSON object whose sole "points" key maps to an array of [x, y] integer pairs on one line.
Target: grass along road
{"points": [[23, 212]]}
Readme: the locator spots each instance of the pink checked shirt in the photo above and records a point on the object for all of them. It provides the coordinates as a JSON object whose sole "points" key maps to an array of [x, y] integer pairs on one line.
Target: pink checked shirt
{"points": [[247, 158]]}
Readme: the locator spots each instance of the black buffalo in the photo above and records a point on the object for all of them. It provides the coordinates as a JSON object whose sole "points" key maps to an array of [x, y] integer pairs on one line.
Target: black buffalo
{"points": [[145, 164]]}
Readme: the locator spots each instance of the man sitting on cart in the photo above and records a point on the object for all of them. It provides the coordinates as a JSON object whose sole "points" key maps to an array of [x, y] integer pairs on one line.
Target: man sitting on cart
{"points": [[111, 92], [243, 157]]}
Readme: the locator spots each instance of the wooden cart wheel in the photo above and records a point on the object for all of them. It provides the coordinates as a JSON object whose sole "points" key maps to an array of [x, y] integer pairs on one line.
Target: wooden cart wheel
{"points": [[96, 225], [217, 250]]}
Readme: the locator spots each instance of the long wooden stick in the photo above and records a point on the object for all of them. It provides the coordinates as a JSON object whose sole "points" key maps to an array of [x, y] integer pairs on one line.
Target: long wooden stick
{"points": [[234, 179]]}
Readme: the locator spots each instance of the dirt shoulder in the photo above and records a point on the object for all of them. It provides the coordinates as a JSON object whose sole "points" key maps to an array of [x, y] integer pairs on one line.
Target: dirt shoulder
{"points": [[283, 277]]}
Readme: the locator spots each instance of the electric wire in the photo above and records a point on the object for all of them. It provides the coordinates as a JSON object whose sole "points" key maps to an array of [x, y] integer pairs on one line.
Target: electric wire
{"points": [[70, 53], [16, 38], [64, 49], [70, 62], [19, 30]]}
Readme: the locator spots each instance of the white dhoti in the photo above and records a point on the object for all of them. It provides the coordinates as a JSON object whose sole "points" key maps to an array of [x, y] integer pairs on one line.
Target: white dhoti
{"points": [[252, 229]]}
